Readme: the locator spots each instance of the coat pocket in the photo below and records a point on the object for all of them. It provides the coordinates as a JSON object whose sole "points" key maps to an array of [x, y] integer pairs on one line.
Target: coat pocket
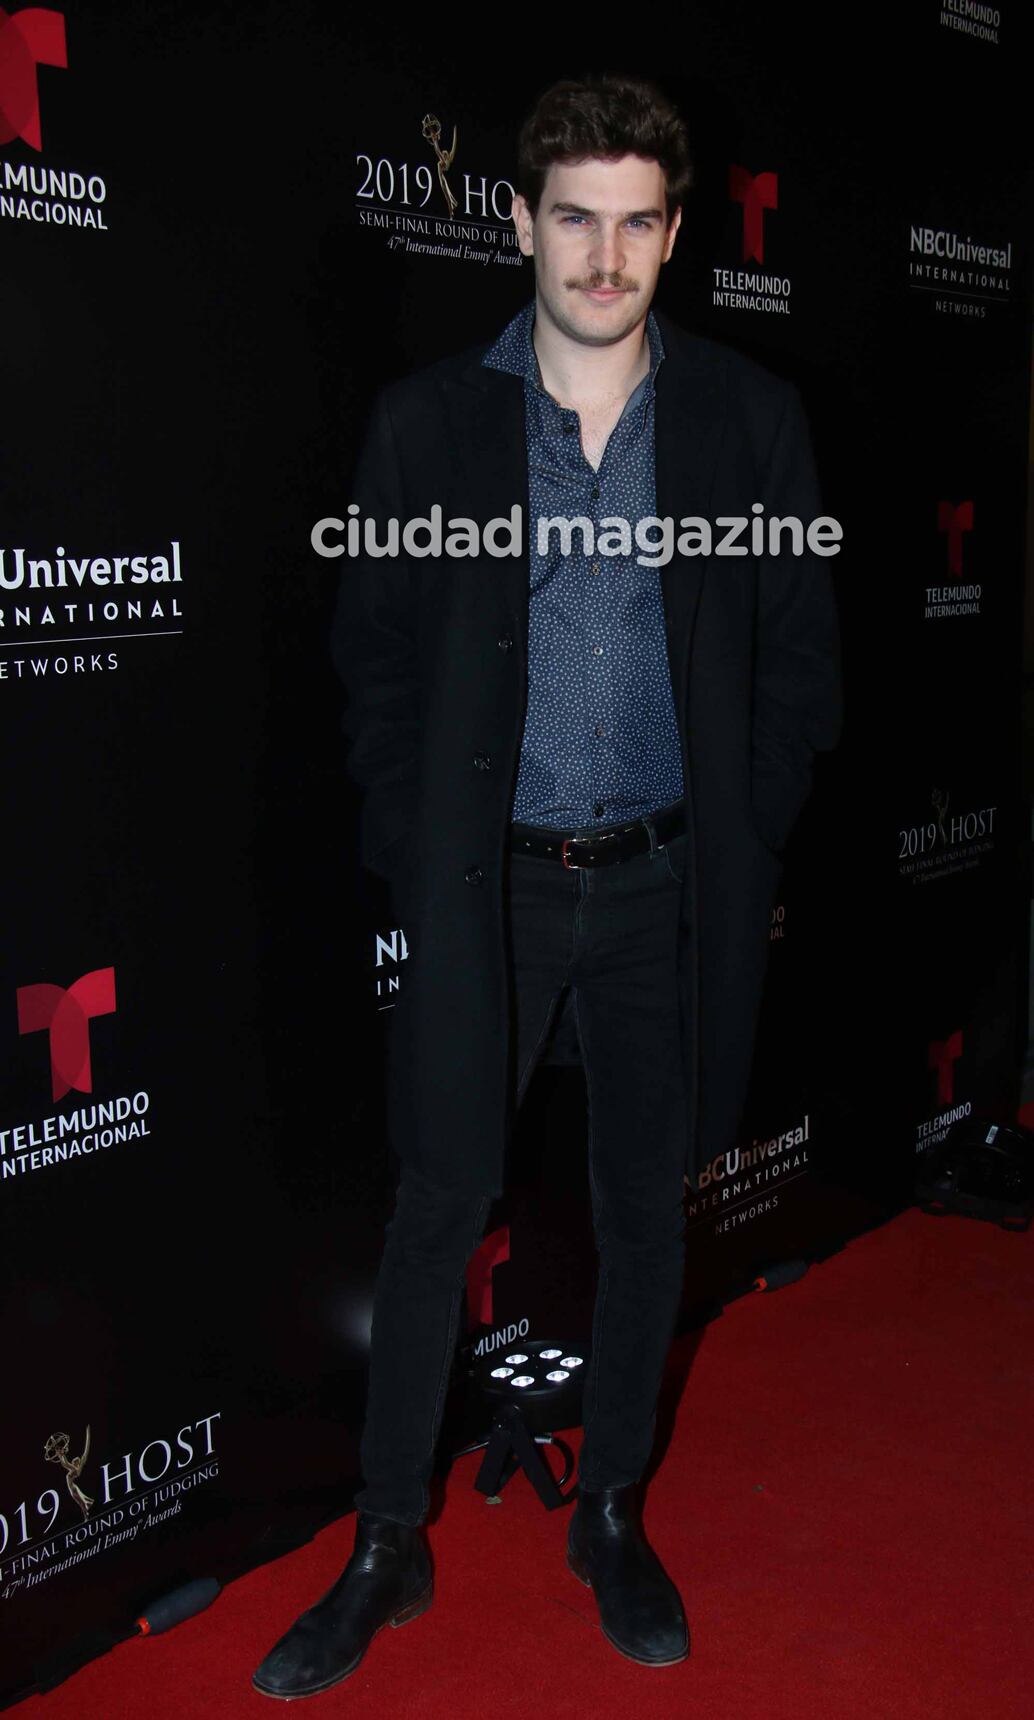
{"points": [[777, 797], [387, 860]]}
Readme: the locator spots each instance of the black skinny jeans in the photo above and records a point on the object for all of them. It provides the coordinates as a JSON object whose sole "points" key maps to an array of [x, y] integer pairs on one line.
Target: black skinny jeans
{"points": [[610, 933]]}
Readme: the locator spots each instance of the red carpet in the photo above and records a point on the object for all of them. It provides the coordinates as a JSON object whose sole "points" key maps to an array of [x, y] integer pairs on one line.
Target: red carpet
{"points": [[845, 1505]]}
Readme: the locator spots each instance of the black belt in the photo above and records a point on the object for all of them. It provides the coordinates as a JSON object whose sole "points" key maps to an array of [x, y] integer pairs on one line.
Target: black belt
{"points": [[600, 847]]}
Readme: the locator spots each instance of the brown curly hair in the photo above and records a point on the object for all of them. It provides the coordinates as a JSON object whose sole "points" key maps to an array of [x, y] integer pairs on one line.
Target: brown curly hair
{"points": [[604, 116]]}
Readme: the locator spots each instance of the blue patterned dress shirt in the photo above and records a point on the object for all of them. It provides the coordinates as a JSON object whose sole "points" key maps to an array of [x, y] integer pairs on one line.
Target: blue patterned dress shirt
{"points": [[601, 740]]}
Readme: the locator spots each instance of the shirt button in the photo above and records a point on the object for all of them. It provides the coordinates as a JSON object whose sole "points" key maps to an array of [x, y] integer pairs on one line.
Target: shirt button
{"points": [[598, 809], [482, 761], [598, 730], [505, 642], [594, 492], [597, 650], [595, 568], [473, 875], [569, 429]]}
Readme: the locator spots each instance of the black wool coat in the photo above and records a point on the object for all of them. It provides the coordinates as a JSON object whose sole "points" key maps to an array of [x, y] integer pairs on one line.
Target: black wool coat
{"points": [[433, 656]]}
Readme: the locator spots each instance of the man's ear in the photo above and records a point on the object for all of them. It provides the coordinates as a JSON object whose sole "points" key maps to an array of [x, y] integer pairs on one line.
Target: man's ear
{"points": [[523, 221], [669, 243]]}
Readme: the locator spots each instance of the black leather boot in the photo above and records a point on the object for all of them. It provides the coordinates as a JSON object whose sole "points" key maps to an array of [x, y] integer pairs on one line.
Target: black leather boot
{"points": [[640, 1609], [386, 1581]]}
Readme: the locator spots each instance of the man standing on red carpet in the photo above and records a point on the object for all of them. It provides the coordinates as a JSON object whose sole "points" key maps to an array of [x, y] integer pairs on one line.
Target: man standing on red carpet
{"points": [[579, 771]]}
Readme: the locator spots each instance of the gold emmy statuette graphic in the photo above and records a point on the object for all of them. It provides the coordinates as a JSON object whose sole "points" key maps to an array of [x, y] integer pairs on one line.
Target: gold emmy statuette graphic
{"points": [[56, 1451], [432, 130], [939, 802]]}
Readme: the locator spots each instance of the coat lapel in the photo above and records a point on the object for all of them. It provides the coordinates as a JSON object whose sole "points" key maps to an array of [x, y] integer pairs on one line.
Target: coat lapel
{"points": [[487, 434], [688, 424]]}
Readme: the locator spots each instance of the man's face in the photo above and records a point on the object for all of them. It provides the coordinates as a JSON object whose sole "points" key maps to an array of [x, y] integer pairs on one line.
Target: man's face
{"points": [[598, 241]]}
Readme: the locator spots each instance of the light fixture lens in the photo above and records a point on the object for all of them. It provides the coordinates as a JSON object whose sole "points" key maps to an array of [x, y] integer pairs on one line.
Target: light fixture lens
{"points": [[501, 1373], [517, 1360], [550, 1355], [568, 1361], [523, 1380], [558, 1374]]}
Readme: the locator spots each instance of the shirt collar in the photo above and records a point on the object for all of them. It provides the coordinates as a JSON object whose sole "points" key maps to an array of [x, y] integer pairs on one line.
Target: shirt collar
{"points": [[514, 349]]}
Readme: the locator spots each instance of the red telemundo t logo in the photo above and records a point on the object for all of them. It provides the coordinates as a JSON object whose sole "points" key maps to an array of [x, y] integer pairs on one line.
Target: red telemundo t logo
{"points": [[955, 520], [942, 1056], [757, 192], [33, 37], [494, 1250], [67, 1015]]}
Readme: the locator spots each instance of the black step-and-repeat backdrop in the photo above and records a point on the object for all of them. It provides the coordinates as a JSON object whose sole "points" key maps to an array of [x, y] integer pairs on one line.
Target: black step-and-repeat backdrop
{"points": [[221, 228]]}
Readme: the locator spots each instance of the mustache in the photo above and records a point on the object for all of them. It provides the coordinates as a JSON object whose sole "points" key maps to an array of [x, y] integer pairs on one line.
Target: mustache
{"points": [[620, 282]]}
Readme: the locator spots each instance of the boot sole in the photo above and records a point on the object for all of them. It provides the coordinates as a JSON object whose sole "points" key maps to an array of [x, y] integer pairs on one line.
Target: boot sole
{"points": [[640, 1660], [412, 1610]]}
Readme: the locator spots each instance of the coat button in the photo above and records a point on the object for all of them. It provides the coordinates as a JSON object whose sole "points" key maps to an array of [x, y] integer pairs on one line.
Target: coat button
{"points": [[505, 642], [474, 875], [482, 761]]}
